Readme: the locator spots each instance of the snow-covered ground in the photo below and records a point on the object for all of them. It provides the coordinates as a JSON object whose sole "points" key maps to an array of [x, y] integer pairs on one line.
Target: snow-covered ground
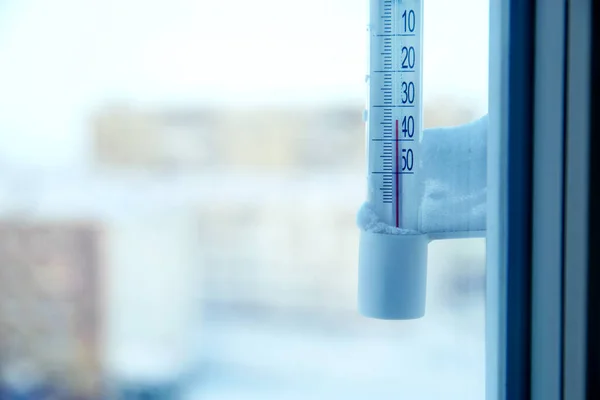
{"points": [[248, 358]]}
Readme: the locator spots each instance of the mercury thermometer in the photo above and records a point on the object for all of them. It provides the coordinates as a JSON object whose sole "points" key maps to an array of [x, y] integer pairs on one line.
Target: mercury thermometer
{"points": [[395, 110], [392, 267], [422, 185]]}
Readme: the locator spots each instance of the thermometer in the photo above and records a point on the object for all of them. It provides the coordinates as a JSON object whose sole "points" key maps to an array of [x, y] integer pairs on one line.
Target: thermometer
{"points": [[395, 111], [421, 185], [393, 266]]}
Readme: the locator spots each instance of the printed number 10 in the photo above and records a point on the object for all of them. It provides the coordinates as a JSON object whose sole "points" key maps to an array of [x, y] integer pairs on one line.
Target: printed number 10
{"points": [[409, 20]]}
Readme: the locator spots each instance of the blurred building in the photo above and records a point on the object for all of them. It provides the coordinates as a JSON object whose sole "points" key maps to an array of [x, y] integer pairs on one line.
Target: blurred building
{"points": [[188, 139], [50, 318]]}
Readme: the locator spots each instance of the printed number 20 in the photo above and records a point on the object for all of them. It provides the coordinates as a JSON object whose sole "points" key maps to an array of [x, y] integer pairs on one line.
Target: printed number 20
{"points": [[408, 57]]}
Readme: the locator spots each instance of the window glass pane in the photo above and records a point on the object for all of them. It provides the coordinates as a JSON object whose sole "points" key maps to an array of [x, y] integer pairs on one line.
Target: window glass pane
{"points": [[179, 185]]}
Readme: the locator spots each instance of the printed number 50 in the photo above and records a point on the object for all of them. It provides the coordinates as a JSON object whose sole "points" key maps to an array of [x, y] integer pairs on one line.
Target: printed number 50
{"points": [[407, 159]]}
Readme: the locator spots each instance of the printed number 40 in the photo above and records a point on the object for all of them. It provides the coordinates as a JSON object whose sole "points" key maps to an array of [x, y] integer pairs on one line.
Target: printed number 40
{"points": [[408, 126]]}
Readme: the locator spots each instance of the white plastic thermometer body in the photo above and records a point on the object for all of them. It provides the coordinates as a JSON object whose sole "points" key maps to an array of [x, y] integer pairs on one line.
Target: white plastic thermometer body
{"points": [[395, 111], [392, 262], [422, 184]]}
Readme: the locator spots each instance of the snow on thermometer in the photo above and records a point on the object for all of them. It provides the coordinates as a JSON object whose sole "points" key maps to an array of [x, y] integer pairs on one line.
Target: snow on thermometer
{"points": [[395, 105]]}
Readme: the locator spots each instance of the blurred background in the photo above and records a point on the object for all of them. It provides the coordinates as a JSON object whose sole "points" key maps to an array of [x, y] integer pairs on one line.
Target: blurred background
{"points": [[178, 188]]}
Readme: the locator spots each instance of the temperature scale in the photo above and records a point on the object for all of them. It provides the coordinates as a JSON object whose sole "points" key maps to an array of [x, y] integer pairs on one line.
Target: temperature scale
{"points": [[395, 111]]}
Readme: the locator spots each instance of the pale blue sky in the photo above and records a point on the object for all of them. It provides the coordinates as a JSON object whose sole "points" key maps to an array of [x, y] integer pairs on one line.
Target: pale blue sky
{"points": [[60, 58]]}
